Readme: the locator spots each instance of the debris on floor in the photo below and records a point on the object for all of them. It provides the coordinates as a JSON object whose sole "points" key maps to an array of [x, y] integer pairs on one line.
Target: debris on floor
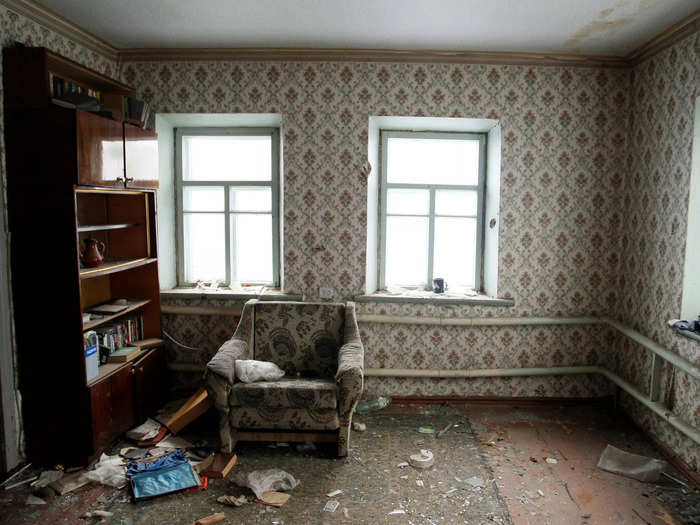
{"points": [[274, 498], [33, 500], [552, 461], [109, 470], [102, 514], [177, 419], [145, 431], [260, 481], [334, 493], [631, 465], [426, 430], [331, 506], [358, 427], [210, 520], [221, 465], [46, 478], [371, 406], [232, 501], [305, 447], [422, 460]]}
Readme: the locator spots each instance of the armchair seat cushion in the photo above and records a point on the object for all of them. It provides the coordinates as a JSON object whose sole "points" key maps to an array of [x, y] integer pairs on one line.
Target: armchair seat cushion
{"points": [[266, 418], [316, 394]]}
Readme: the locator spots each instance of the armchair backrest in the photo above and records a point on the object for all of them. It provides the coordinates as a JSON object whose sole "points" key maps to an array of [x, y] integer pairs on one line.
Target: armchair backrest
{"points": [[301, 338]]}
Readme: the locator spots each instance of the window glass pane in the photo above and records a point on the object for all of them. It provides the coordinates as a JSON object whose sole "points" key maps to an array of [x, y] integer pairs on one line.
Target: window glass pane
{"points": [[203, 198], [432, 161], [227, 158], [407, 201], [204, 246], [406, 251], [455, 251], [455, 202], [251, 199], [251, 246]]}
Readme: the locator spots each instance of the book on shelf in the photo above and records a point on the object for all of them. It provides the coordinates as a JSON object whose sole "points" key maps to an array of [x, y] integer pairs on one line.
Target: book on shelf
{"points": [[124, 354], [136, 111]]}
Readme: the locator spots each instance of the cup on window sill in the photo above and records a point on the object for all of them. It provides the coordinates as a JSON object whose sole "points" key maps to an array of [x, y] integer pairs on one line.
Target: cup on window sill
{"points": [[439, 285]]}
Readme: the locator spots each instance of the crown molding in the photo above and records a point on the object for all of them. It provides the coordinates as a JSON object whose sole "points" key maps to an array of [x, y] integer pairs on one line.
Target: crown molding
{"points": [[55, 22], [665, 39], [367, 55], [76, 33]]}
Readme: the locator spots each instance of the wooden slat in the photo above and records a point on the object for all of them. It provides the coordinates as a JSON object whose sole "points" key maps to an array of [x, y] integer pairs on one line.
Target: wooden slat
{"points": [[104, 227]]}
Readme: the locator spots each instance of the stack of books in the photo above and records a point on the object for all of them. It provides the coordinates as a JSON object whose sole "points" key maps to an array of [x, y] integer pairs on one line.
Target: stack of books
{"points": [[118, 335]]}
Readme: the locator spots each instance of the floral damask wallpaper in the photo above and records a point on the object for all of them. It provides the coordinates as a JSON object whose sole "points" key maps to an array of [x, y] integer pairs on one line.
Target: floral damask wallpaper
{"points": [[593, 192], [654, 203]]}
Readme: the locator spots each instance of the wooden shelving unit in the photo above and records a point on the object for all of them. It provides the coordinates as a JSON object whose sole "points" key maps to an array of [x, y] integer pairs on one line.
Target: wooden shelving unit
{"points": [[107, 318], [114, 266], [104, 227], [70, 165]]}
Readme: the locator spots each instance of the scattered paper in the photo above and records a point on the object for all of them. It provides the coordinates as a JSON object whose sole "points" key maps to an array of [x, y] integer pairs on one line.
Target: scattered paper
{"points": [[331, 506], [403, 464], [33, 500], [419, 482], [46, 478], [334, 493], [551, 460], [274, 499], [397, 511], [475, 481], [232, 500], [174, 442], [147, 430], [359, 427]]}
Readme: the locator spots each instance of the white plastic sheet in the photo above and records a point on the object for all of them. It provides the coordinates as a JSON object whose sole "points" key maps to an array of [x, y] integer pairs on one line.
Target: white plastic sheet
{"points": [[109, 470], [250, 370], [260, 481], [631, 465]]}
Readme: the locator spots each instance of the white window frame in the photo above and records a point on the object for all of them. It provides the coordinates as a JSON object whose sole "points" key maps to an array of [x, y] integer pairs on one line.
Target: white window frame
{"points": [[273, 183], [480, 189]]}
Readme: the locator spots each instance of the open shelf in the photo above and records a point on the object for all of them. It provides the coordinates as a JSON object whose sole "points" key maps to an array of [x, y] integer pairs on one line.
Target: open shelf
{"points": [[107, 318], [115, 266], [104, 227]]}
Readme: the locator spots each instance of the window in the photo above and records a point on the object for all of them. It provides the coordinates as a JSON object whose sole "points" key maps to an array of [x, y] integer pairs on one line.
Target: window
{"points": [[228, 205], [432, 199]]}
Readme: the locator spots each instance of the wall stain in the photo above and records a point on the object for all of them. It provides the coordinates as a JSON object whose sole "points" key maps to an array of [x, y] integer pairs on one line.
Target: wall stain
{"points": [[603, 27]]}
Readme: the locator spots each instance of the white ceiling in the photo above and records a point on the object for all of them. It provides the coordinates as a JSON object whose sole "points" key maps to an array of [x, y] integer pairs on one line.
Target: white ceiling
{"points": [[590, 27]]}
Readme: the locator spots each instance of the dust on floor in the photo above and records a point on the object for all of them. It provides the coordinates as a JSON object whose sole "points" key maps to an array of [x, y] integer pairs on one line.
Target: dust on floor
{"points": [[483, 474]]}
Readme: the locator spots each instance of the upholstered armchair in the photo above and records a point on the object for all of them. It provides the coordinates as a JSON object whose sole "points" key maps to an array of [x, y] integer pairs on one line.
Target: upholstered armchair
{"points": [[318, 346]]}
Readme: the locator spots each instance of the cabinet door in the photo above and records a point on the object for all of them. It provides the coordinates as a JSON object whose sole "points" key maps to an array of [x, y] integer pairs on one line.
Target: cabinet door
{"points": [[100, 150], [149, 384], [141, 147], [122, 401], [101, 401]]}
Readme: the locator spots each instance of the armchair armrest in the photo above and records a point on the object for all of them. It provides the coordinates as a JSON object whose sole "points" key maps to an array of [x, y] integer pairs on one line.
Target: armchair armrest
{"points": [[351, 365]]}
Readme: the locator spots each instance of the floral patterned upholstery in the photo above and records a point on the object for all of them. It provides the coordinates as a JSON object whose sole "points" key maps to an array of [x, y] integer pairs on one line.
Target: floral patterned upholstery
{"points": [[319, 347], [286, 393], [301, 338]]}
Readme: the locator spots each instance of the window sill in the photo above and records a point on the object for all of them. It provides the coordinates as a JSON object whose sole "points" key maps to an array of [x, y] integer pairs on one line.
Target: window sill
{"points": [[686, 333], [269, 294], [421, 297]]}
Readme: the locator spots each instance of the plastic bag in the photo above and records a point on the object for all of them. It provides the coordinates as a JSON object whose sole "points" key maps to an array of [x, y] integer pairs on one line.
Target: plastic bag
{"points": [[260, 481], [109, 470], [631, 465], [249, 371], [370, 406]]}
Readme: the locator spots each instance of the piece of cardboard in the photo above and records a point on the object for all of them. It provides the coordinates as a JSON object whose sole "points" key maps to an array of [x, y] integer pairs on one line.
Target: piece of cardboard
{"points": [[194, 407], [275, 499]]}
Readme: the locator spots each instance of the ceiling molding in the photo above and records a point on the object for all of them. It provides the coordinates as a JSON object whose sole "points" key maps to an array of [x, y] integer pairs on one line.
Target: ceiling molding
{"points": [[665, 39], [368, 55], [55, 22], [76, 33]]}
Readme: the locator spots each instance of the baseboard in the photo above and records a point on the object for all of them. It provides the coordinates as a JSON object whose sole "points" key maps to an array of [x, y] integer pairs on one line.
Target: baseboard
{"points": [[498, 400]]}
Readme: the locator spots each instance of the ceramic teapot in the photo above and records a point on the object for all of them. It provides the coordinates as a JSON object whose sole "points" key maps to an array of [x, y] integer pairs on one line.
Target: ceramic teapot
{"points": [[92, 254]]}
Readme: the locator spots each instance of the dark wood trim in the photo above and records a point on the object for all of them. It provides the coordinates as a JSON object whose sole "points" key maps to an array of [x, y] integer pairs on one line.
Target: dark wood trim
{"points": [[369, 55], [667, 38]]}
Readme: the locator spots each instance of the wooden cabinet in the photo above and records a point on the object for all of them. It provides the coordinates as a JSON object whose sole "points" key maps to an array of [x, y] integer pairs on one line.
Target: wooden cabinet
{"points": [[141, 153], [100, 150], [150, 383], [63, 169]]}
